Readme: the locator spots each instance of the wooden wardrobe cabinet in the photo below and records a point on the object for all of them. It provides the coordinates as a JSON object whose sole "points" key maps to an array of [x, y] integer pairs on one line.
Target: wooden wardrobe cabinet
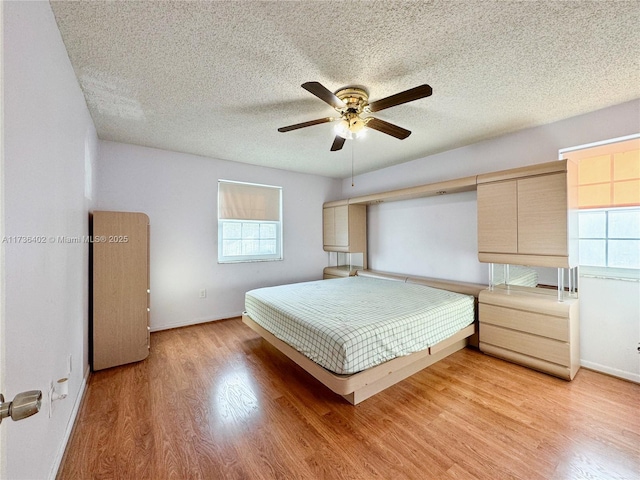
{"points": [[120, 251], [344, 227], [528, 216]]}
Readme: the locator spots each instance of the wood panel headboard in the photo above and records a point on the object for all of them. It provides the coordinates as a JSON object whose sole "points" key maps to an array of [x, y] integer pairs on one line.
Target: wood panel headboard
{"points": [[465, 288]]}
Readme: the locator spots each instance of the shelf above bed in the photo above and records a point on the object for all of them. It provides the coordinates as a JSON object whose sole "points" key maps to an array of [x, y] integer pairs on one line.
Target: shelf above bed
{"points": [[466, 184]]}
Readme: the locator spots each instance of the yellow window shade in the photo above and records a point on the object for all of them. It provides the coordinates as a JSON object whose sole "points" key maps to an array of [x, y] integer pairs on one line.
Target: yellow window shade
{"points": [[594, 196], [626, 165], [626, 193], [609, 175], [594, 170]]}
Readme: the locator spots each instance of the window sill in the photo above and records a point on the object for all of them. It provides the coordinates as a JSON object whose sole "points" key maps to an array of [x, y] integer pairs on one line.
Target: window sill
{"points": [[250, 260], [623, 274]]}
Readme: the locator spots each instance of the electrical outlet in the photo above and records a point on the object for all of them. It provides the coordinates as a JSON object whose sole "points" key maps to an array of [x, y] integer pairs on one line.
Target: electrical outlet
{"points": [[203, 293]]}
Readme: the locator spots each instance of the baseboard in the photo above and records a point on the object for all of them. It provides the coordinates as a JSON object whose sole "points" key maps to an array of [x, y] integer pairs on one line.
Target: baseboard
{"points": [[195, 321], [70, 424], [614, 372]]}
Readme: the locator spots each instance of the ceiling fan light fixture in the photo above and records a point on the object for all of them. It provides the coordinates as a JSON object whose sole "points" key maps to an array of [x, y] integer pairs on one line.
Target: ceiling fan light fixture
{"points": [[351, 126], [342, 129], [349, 132]]}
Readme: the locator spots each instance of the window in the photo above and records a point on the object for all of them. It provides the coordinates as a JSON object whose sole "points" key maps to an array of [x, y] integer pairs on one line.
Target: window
{"points": [[609, 206], [610, 237], [249, 222]]}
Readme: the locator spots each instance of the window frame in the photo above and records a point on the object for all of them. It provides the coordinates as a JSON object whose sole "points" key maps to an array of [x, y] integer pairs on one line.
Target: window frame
{"points": [[617, 273], [249, 258]]}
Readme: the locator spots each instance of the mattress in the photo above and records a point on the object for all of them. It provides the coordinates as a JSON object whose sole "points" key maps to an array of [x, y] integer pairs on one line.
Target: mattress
{"points": [[518, 275], [350, 324]]}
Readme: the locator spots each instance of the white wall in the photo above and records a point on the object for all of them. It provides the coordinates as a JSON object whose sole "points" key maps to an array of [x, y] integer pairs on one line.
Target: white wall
{"points": [[49, 138], [437, 236], [179, 193], [3, 432], [610, 326], [432, 237]]}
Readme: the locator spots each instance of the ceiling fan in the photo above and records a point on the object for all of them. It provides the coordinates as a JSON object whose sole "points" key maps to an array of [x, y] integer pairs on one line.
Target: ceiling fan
{"points": [[351, 103]]}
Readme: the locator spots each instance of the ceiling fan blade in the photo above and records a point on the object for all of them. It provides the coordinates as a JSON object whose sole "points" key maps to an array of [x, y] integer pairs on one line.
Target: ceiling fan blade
{"points": [[306, 124], [388, 128], [338, 142], [400, 98], [324, 94]]}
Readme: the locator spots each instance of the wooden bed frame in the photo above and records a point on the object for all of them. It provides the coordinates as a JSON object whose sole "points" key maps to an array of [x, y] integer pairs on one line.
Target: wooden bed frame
{"points": [[359, 386]]}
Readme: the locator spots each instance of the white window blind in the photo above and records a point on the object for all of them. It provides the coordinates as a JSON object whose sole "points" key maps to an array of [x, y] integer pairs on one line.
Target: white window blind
{"points": [[249, 222]]}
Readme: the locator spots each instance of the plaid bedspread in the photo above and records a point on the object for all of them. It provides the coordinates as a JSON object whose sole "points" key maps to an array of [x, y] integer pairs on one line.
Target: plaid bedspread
{"points": [[350, 324]]}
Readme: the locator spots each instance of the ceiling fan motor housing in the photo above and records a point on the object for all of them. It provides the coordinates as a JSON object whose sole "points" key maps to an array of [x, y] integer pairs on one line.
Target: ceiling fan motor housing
{"points": [[356, 98]]}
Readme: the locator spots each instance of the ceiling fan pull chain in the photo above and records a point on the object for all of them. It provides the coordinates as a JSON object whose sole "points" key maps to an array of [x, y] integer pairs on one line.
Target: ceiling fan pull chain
{"points": [[352, 147]]}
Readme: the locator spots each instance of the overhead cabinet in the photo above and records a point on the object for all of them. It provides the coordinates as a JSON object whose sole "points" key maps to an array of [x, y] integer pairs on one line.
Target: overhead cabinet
{"points": [[528, 216], [120, 287], [344, 227]]}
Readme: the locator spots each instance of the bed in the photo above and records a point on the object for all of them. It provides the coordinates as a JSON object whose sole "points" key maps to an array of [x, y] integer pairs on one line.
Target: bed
{"points": [[359, 335]]}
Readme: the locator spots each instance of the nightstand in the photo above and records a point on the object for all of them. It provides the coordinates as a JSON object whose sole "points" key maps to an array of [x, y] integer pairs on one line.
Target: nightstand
{"points": [[339, 272]]}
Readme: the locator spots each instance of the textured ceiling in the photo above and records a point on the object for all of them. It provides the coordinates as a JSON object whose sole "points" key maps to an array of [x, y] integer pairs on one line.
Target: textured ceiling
{"points": [[218, 78]]}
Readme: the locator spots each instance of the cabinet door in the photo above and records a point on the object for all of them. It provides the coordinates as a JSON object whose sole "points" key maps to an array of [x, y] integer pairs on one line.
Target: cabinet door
{"points": [[341, 222], [542, 215], [328, 226], [498, 217]]}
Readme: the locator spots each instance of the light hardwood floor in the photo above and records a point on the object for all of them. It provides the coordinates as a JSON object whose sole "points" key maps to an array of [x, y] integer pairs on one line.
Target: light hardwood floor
{"points": [[214, 401]]}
